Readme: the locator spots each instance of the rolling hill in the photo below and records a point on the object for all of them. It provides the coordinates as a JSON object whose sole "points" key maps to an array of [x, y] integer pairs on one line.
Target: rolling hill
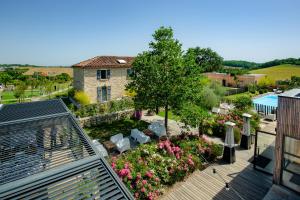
{"points": [[279, 72]]}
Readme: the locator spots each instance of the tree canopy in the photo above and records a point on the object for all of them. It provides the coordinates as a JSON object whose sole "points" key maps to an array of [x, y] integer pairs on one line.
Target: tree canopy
{"points": [[158, 72], [165, 77], [204, 58]]}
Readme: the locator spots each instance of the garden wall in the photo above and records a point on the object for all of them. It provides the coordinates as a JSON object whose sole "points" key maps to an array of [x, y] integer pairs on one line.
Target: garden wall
{"points": [[109, 117]]}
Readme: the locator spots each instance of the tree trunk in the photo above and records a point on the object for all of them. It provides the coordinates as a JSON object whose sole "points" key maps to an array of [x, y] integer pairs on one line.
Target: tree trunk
{"points": [[156, 110], [166, 118], [200, 129]]}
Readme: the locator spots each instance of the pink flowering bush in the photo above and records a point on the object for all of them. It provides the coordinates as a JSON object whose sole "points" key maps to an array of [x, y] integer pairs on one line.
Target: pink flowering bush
{"points": [[150, 168]]}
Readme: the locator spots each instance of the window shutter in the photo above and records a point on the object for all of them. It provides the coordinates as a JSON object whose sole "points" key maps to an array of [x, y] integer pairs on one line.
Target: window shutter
{"points": [[99, 94], [108, 93], [98, 74], [108, 74]]}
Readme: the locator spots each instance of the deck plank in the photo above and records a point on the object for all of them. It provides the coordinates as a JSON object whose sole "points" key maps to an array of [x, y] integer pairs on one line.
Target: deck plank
{"points": [[248, 183]]}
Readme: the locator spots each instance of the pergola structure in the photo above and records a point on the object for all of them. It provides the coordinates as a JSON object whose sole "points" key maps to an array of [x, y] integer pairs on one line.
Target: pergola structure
{"points": [[44, 154]]}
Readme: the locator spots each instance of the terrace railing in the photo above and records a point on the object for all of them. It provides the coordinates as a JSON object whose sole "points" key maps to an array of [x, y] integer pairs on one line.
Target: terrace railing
{"points": [[260, 108]]}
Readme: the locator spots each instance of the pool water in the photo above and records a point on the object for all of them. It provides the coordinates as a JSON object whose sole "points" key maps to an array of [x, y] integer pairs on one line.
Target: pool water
{"points": [[268, 100]]}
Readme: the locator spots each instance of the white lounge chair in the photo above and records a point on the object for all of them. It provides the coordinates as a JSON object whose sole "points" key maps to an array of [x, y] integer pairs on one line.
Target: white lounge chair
{"points": [[158, 129], [115, 138], [139, 136], [223, 111], [123, 145], [100, 148], [215, 110]]}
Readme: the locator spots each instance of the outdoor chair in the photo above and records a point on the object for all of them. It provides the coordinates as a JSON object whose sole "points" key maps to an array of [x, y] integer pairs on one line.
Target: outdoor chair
{"points": [[123, 145], [158, 129], [215, 110], [115, 138], [100, 148], [139, 136], [223, 111]]}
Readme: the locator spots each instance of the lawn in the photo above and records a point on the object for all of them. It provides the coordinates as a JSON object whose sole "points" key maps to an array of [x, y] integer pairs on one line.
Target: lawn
{"points": [[104, 131], [279, 72], [170, 115], [6, 95]]}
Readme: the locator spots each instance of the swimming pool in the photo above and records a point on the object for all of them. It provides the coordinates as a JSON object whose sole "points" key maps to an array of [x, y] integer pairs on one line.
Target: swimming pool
{"points": [[268, 100]]}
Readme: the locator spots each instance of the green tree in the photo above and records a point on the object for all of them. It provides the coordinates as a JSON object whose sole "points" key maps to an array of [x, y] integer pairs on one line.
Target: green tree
{"points": [[49, 88], [194, 116], [158, 72], [205, 58], [19, 91], [5, 78]]}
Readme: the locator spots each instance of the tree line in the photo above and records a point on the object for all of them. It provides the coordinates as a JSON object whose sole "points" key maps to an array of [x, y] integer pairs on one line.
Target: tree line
{"points": [[253, 65]]}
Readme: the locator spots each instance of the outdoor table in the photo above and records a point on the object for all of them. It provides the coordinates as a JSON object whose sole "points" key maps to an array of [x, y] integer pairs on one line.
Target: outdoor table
{"points": [[148, 133], [109, 145]]}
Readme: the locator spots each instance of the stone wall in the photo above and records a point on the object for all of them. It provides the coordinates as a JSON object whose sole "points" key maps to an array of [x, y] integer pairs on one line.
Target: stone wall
{"points": [[110, 117]]}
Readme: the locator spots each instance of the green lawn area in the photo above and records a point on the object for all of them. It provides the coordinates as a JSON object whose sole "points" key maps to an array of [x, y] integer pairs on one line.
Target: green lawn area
{"points": [[170, 115], [6, 95], [279, 72], [104, 131]]}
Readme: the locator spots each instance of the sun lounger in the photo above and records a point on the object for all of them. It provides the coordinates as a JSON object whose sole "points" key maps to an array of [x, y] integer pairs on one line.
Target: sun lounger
{"points": [[114, 139], [139, 136], [100, 148], [158, 129], [215, 110], [122, 144]]}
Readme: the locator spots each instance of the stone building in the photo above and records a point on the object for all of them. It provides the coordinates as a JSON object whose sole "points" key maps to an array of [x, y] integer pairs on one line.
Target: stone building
{"points": [[240, 80], [103, 78]]}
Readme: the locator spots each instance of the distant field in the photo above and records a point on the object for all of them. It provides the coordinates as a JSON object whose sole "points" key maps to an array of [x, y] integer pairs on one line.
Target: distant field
{"points": [[279, 72], [50, 70]]}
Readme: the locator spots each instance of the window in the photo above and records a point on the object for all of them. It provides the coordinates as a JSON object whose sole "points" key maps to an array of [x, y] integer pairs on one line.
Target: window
{"points": [[103, 74], [104, 93], [129, 73], [121, 61]]}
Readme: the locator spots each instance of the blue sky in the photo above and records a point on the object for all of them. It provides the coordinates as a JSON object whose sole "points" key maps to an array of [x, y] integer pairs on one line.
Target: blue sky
{"points": [[64, 32]]}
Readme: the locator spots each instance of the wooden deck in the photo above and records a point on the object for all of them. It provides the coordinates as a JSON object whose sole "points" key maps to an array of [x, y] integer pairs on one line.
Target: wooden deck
{"points": [[245, 182]]}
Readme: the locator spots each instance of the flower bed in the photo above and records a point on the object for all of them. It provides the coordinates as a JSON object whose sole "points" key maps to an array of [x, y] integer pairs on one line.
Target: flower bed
{"points": [[148, 169]]}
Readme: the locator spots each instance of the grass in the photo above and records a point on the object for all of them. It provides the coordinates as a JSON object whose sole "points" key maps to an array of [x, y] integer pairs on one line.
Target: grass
{"points": [[279, 72], [6, 95], [170, 115], [104, 131]]}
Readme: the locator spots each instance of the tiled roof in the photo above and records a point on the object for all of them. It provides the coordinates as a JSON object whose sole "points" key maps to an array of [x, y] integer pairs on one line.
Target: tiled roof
{"points": [[105, 61]]}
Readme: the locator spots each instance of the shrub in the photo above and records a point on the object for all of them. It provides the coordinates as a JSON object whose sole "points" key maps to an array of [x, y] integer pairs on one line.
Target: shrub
{"points": [[101, 108], [147, 169], [71, 92], [243, 102], [82, 98]]}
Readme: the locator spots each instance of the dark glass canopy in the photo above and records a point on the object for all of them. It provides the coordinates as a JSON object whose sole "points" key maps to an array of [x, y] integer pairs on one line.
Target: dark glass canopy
{"points": [[44, 154]]}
